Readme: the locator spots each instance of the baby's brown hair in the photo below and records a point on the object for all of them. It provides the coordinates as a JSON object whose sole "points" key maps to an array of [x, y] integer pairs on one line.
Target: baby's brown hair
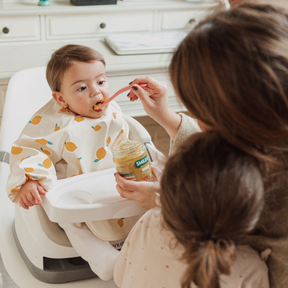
{"points": [[212, 196], [64, 58]]}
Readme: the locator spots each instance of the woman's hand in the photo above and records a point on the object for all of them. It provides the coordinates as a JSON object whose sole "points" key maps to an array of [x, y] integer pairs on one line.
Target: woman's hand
{"points": [[154, 96], [141, 191], [29, 194], [154, 99]]}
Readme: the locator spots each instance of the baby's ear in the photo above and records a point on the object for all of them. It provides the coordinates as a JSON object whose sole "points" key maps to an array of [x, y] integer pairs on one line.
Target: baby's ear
{"points": [[59, 98]]}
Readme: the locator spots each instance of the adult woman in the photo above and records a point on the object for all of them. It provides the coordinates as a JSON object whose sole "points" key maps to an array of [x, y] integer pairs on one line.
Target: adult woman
{"points": [[231, 73]]}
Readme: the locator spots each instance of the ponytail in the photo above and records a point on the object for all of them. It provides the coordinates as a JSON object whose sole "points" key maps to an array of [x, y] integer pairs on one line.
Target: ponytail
{"points": [[206, 262], [212, 197]]}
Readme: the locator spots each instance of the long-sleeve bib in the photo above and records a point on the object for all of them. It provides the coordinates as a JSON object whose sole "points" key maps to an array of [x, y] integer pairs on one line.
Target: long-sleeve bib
{"points": [[55, 134]]}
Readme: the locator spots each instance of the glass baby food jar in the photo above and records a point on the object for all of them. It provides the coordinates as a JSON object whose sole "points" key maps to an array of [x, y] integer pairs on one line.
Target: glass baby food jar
{"points": [[131, 161]]}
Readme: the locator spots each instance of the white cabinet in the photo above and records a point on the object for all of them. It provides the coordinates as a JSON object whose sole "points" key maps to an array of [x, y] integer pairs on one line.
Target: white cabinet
{"points": [[179, 20], [19, 28], [93, 25]]}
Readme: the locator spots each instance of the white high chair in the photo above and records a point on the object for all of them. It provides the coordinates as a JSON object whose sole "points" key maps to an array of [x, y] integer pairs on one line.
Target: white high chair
{"points": [[29, 242]]}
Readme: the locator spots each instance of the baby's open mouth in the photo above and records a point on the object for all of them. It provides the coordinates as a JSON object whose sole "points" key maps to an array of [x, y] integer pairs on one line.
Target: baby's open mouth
{"points": [[97, 105]]}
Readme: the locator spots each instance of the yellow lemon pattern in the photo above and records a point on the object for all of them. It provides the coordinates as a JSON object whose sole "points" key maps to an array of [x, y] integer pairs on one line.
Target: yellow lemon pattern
{"points": [[16, 150], [114, 115], [46, 163], [43, 141], [96, 128], [100, 154], [36, 120], [14, 190], [121, 222], [64, 110], [45, 151], [29, 169], [78, 118], [108, 140], [70, 146], [56, 127]]}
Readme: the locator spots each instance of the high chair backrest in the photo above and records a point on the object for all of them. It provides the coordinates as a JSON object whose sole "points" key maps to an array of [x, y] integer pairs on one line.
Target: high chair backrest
{"points": [[28, 91]]}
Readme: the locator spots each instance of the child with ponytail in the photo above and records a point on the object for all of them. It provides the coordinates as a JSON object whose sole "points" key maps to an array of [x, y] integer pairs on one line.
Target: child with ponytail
{"points": [[211, 198]]}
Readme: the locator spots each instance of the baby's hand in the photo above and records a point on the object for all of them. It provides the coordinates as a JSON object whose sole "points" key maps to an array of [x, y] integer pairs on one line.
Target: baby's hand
{"points": [[29, 194]]}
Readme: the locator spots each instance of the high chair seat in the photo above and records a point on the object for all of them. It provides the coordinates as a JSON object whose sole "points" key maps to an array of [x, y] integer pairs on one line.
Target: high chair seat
{"points": [[35, 233]]}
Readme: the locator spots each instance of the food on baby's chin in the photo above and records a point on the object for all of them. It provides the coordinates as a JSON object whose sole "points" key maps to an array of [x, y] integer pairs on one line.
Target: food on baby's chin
{"points": [[131, 161]]}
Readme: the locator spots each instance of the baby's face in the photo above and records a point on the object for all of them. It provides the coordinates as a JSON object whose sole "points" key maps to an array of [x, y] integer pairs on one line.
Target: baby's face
{"points": [[83, 85]]}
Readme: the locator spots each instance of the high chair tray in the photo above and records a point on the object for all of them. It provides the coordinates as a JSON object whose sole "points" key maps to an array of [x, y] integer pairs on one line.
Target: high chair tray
{"points": [[88, 197]]}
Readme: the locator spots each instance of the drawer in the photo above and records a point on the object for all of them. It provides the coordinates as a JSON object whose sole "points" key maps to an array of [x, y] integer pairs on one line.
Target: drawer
{"points": [[135, 108], [179, 20], [19, 28], [80, 26]]}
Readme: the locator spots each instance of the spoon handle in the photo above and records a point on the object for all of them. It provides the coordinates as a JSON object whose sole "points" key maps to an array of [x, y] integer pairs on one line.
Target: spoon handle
{"points": [[126, 88]]}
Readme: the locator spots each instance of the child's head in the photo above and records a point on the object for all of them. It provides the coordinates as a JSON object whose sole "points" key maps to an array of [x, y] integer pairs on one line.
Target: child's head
{"points": [[76, 76], [231, 73], [212, 196]]}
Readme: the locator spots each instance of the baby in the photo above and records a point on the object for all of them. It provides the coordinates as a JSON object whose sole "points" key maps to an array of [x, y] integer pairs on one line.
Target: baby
{"points": [[67, 137]]}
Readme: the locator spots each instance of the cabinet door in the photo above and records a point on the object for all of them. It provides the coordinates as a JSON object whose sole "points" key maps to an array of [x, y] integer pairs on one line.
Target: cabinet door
{"points": [[135, 108], [3, 89], [81, 26], [181, 19], [20, 28]]}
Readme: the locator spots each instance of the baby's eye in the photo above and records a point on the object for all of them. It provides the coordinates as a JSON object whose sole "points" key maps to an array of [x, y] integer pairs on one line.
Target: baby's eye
{"points": [[83, 88], [101, 82]]}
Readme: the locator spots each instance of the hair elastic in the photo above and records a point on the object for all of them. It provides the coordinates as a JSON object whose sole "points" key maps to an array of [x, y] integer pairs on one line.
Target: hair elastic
{"points": [[207, 237]]}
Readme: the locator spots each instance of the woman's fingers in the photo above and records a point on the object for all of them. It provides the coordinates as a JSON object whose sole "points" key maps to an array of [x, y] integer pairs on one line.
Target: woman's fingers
{"points": [[156, 172], [141, 191]]}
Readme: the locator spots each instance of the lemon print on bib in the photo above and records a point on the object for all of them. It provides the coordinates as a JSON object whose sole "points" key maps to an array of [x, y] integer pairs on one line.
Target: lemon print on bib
{"points": [[36, 120], [108, 140], [16, 150], [78, 119], [96, 128], [56, 127], [43, 141], [63, 110], [70, 146], [120, 222], [14, 190], [114, 115], [46, 163], [100, 154], [45, 151], [29, 169]]}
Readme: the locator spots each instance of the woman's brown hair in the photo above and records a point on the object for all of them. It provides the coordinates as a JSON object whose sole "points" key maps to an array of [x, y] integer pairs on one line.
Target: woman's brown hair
{"points": [[231, 72], [212, 196], [64, 58]]}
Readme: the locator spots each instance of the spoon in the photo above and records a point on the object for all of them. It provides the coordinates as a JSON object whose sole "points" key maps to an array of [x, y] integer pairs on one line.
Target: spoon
{"points": [[127, 88]]}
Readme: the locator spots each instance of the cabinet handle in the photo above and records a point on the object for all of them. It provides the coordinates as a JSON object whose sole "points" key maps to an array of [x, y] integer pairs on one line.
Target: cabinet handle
{"points": [[102, 25], [192, 20], [5, 30]]}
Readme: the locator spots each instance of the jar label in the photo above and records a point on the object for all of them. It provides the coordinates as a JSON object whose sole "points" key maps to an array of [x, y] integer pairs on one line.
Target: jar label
{"points": [[141, 161]]}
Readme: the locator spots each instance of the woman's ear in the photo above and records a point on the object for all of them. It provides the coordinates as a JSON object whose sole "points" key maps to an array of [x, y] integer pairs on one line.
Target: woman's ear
{"points": [[59, 99]]}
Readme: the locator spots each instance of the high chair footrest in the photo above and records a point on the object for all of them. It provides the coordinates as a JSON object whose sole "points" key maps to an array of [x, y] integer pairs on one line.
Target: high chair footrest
{"points": [[57, 270]]}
